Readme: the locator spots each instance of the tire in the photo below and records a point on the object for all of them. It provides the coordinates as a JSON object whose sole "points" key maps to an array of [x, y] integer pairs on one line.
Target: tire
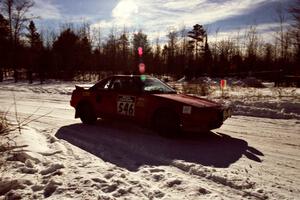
{"points": [[166, 123], [87, 114]]}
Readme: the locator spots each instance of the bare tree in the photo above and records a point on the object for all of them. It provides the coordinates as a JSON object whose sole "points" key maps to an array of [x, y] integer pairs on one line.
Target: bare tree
{"points": [[172, 47], [123, 46], [252, 45], [4, 47], [157, 56], [183, 38], [295, 31], [110, 50], [295, 11], [281, 20], [97, 38], [17, 13]]}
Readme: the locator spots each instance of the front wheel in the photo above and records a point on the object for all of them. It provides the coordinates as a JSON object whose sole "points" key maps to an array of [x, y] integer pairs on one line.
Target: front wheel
{"points": [[87, 114], [166, 123]]}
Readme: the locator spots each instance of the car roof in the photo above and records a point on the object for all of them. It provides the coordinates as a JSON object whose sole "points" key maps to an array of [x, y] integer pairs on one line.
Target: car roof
{"points": [[126, 75], [130, 76]]}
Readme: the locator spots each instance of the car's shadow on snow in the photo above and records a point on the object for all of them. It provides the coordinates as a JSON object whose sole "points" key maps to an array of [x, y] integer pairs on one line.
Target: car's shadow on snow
{"points": [[129, 146]]}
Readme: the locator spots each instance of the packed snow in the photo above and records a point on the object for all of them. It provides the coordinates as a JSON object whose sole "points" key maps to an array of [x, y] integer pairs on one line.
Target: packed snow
{"points": [[254, 155]]}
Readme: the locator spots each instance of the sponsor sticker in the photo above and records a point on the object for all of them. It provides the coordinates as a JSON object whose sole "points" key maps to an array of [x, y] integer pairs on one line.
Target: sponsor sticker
{"points": [[187, 109], [126, 105]]}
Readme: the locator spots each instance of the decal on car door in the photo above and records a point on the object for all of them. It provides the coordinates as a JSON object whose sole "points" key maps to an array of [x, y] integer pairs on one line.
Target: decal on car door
{"points": [[126, 105], [187, 110]]}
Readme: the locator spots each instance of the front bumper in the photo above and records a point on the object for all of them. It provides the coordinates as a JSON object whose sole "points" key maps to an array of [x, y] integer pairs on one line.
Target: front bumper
{"points": [[206, 120]]}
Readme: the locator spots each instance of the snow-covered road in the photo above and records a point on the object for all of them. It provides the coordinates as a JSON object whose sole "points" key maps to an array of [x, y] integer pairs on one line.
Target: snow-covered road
{"points": [[247, 158]]}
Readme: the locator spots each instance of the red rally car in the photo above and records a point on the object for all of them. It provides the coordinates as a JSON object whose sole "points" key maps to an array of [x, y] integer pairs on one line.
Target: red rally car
{"points": [[147, 101]]}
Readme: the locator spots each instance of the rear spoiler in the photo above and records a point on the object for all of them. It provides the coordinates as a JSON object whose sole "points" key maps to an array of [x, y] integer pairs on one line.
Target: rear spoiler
{"points": [[83, 87]]}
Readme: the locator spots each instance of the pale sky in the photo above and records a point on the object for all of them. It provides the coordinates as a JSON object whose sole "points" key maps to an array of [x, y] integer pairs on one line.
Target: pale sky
{"points": [[156, 17]]}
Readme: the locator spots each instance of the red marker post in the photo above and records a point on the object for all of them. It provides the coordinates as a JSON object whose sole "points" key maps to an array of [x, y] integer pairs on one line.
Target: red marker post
{"points": [[223, 84]]}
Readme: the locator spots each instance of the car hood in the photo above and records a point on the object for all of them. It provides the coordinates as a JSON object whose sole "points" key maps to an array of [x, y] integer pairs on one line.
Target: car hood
{"points": [[189, 100]]}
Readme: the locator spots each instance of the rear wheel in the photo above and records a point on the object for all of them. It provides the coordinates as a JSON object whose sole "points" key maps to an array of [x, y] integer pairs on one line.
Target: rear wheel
{"points": [[166, 123], [87, 114]]}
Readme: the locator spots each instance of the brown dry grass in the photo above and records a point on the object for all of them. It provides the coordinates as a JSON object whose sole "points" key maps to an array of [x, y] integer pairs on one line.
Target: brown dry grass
{"points": [[3, 124]]}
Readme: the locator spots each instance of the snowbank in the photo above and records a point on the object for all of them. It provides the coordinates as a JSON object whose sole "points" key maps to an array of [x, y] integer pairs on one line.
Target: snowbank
{"points": [[246, 82]]}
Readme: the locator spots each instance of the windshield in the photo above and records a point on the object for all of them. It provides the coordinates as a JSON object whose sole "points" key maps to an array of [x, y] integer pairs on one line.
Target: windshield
{"points": [[154, 85]]}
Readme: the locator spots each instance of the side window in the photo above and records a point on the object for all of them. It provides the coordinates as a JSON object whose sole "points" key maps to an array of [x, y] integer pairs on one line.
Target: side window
{"points": [[128, 85], [133, 86], [104, 84], [117, 84]]}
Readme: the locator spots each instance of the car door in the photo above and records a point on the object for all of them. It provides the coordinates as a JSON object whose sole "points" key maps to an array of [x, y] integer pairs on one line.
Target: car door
{"points": [[104, 98], [127, 95]]}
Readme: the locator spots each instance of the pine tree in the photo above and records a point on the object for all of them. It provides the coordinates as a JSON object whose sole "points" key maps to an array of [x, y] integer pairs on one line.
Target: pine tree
{"points": [[4, 47], [36, 46], [198, 34], [66, 50]]}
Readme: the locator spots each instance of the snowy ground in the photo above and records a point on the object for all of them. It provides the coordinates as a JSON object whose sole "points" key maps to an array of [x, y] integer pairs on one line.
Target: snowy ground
{"points": [[254, 155]]}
